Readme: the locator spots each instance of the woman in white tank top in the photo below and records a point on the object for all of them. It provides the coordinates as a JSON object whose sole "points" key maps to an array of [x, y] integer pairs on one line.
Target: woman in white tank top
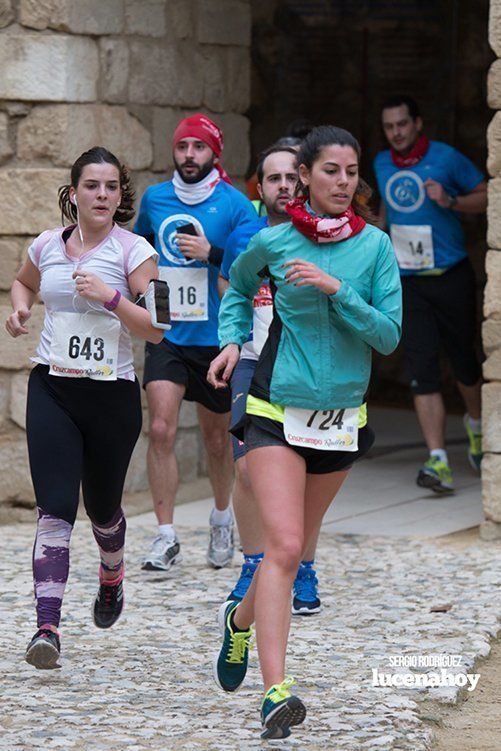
{"points": [[84, 407]]}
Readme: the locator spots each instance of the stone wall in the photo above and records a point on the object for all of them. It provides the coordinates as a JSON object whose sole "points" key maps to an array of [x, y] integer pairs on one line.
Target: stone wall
{"points": [[76, 73], [491, 464]]}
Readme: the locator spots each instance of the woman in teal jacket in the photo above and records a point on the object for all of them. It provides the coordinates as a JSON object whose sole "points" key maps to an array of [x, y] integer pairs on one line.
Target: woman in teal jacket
{"points": [[336, 295]]}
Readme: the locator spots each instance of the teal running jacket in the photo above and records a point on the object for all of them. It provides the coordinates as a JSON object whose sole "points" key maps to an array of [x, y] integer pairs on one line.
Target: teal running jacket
{"points": [[318, 352]]}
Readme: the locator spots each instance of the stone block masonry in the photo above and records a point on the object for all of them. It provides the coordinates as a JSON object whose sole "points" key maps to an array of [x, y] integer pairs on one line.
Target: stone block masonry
{"points": [[120, 73], [491, 393]]}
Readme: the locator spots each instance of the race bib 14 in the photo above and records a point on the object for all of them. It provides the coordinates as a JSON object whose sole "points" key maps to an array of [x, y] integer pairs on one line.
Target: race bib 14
{"points": [[413, 246]]}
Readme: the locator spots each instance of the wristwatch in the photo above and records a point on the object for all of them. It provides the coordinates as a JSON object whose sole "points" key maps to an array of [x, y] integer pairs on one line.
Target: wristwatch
{"points": [[112, 304], [452, 201]]}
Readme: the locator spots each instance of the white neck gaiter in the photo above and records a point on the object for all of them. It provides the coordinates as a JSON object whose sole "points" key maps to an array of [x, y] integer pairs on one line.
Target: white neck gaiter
{"points": [[192, 193]]}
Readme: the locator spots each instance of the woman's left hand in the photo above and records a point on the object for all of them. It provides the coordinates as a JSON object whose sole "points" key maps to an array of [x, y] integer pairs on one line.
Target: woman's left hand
{"points": [[302, 273], [92, 287]]}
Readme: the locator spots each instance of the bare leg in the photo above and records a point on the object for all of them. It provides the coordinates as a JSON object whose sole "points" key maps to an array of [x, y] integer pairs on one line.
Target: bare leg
{"points": [[164, 402], [246, 510], [472, 398], [320, 492], [430, 410], [214, 429], [310, 549], [286, 526]]}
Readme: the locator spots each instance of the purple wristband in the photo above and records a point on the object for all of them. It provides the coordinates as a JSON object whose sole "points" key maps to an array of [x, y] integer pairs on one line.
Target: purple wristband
{"points": [[112, 304]]}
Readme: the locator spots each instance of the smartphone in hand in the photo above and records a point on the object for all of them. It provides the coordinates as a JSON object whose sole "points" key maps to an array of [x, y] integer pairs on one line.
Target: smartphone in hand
{"points": [[187, 229]]}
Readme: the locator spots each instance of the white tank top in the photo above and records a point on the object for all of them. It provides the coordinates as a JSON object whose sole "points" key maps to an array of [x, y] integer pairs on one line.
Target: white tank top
{"points": [[117, 256]]}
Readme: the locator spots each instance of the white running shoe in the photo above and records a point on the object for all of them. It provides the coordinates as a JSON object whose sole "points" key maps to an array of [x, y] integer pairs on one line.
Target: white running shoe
{"points": [[164, 553], [221, 545]]}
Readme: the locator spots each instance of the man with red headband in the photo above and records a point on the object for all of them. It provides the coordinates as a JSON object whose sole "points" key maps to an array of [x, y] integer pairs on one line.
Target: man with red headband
{"points": [[189, 219], [425, 186]]}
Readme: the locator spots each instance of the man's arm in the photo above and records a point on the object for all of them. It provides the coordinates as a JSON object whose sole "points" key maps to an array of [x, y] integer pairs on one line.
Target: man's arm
{"points": [[222, 285], [474, 202]]}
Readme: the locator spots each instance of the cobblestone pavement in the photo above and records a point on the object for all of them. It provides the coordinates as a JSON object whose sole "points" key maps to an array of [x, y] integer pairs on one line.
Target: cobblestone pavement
{"points": [[147, 683]]}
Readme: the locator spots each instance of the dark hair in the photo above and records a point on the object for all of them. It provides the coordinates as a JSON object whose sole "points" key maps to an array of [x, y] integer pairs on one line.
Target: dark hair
{"points": [[329, 135], [98, 155], [289, 141], [402, 99], [299, 128], [275, 149]]}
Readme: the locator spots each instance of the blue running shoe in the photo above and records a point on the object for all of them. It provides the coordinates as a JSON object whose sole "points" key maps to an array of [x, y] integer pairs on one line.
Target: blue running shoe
{"points": [[306, 600], [230, 665], [244, 581], [281, 710]]}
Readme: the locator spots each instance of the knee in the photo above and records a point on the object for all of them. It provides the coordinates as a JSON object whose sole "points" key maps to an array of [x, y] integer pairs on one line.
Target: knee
{"points": [[217, 443], [286, 552], [162, 436]]}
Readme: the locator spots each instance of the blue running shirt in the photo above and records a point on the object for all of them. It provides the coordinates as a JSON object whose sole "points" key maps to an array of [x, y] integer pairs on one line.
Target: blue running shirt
{"points": [[238, 241], [425, 236], [263, 304], [194, 297]]}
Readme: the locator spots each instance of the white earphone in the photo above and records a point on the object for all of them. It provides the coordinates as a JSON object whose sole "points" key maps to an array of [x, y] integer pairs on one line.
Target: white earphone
{"points": [[74, 200]]}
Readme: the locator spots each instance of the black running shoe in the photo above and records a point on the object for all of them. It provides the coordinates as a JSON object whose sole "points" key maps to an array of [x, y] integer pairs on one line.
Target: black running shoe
{"points": [[108, 604], [281, 710], [44, 649]]}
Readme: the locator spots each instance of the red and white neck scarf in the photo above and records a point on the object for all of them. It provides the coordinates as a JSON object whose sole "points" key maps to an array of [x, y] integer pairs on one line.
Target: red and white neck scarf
{"points": [[415, 154], [193, 193], [321, 229]]}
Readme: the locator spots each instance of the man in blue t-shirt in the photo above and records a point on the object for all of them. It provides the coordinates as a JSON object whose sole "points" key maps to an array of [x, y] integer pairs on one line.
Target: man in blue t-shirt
{"points": [[189, 220], [425, 186]]}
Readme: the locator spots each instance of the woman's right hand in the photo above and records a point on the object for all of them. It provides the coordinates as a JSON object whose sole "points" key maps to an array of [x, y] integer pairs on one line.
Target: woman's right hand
{"points": [[222, 366], [15, 322]]}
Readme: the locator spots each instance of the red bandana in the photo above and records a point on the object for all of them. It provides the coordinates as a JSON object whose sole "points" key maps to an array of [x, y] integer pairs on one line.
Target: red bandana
{"points": [[202, 127], [321, 229], [415, 154]]}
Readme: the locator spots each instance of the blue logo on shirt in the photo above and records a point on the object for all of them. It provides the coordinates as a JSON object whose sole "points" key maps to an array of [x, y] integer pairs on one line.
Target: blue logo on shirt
{"points": [[168, 241], [405, 191]]}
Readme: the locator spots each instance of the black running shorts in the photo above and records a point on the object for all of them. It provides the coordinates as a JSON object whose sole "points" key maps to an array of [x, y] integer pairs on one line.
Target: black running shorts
{"points": [[187, 366], [440, 312], [259, 432]]}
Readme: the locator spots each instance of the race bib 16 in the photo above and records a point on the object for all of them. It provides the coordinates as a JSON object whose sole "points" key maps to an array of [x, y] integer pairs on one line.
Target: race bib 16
{"points": [[188, 292]]}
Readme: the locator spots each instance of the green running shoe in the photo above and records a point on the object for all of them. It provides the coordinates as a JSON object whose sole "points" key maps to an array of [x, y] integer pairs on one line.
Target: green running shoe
{"points": [[436, 475], [475, 453], [230, 665], [280, 710]]}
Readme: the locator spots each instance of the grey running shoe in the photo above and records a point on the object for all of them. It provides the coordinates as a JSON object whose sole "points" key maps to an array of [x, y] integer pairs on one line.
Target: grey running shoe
{"points": [[164, 553], [44, 649], [221, 545]]}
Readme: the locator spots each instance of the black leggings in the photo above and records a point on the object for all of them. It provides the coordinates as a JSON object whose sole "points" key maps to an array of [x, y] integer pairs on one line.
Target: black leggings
{"points": [[80, 431]]}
